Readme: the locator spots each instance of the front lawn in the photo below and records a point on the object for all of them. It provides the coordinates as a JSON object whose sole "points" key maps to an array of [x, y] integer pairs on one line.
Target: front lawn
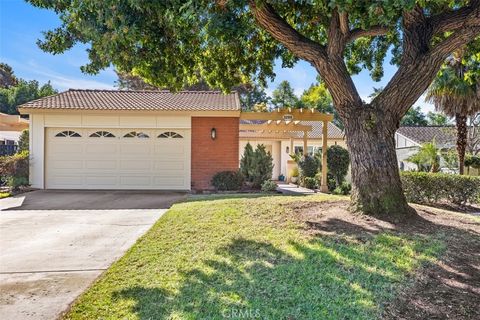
{"points": [[263, 257]]}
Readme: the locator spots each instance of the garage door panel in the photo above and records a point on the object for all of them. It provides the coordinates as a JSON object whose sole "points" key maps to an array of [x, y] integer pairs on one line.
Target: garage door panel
{"points": [[109, 165], [168, 165], [101, 181], [62, 148], [92, 162], [102, 148], [67, 181]]}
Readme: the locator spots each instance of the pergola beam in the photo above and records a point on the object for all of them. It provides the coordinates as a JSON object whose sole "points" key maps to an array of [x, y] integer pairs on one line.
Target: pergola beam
{"points": [[275, 127], [286, 115]]}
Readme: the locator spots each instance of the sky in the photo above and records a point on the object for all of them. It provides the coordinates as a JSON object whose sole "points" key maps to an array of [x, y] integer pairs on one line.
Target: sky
{"points": [[21, 25]]}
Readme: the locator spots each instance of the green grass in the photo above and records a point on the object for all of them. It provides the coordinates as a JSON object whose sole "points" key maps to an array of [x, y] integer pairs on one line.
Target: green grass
{"points": [[224, 258], [5, 195]]}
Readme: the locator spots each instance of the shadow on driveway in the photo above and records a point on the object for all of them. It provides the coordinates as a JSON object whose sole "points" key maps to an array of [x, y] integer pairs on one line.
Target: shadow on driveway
{"points": [[92, 200]]}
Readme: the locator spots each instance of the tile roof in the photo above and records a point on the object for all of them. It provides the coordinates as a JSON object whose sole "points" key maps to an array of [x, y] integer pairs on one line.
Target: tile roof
{"points": [[445, 136], [138, 100], [333, 131]]}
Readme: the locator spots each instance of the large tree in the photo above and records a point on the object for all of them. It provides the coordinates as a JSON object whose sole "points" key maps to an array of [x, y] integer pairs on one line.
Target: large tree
{"points": [[283, 96], [414, 117], [227, 41], [456, 92]]}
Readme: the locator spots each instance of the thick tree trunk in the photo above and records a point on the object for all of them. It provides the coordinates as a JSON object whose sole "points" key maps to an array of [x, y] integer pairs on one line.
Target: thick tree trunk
{"points": [[461, 122], [376, 185]]}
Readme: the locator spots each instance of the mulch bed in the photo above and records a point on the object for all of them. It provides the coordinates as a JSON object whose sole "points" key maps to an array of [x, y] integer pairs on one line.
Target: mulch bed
{"points": [[448, 289]]}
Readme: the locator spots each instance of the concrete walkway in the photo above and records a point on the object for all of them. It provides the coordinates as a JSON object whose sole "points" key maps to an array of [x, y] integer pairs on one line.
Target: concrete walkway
{"points": [[293, 189], [51, 255]]}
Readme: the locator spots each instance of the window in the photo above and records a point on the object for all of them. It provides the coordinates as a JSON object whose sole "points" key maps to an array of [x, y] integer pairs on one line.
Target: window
{"points": [[135, 134], [68, 133], [102, 134], [170, 134]]}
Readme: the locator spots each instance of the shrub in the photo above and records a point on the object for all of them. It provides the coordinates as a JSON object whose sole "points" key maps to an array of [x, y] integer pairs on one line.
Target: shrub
{"points": [[424, 187], [310, 182], [294, 172], [472, 161], [308, 166], [247, 162], [338, 160], [23, 141], [263, 166], [256, 166], [269, 186], [343, 189], [15, 169], [227, 180]]}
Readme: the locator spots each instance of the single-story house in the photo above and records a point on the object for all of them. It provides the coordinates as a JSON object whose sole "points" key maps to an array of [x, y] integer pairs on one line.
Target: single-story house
{"points": [[280, 146], [409, 139], [114, 139]]}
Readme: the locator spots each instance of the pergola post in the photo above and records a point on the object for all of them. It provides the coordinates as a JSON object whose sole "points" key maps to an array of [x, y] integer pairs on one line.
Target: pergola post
{"points": [[292, 150], [324, 186]]}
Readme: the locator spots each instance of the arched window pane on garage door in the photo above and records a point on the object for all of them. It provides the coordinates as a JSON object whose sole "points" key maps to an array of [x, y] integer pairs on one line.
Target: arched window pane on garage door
{"points": [[102, 134], [170, 134], [68, 133], [135, 134]]}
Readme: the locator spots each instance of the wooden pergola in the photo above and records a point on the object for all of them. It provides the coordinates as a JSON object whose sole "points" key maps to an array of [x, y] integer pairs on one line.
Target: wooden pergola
{"points": [[281, 123]]}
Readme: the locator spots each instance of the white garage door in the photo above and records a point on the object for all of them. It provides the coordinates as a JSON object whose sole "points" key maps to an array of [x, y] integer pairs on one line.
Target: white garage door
{"points": [[117, 159]]}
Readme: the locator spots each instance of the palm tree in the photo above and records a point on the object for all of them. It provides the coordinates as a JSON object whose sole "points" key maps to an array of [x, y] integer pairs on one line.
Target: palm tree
{"points": [[456, 92]]}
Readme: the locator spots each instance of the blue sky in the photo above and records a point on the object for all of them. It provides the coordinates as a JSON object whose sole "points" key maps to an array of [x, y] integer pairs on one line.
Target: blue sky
{"points": [[21, 25]]}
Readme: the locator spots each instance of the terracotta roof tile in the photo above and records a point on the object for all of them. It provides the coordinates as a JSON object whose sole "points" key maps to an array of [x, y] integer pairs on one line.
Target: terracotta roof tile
{"points": [[138, 100], [445, 136]]}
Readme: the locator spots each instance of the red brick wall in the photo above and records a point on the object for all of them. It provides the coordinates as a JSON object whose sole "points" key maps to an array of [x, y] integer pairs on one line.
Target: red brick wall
{"points": [[211, 156]]}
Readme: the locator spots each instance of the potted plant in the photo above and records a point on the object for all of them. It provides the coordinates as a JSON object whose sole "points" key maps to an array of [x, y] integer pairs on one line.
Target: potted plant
{"points": [[294, 175]]}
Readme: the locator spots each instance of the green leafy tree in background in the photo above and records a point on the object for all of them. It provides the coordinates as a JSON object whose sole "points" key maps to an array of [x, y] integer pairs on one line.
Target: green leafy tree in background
{"points": [[19, 91], [318, 97], [437, 119], [177, 43], [456, 92], [7, 77], [284, 96], [414, 117]]}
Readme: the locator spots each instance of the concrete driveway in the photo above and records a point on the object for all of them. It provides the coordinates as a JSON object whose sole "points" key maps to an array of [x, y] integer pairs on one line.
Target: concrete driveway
{"points": [[53, 244]]}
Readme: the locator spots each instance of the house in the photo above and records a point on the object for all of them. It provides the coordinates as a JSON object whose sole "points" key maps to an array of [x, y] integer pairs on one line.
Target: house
{"points": [[11, 127], [280, 146], [114, 139], [409, 139]]}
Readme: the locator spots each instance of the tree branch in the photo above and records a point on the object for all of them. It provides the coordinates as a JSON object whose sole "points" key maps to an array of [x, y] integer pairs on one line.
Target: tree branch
{"points": [[456, 19], [279, 29], [344, 27], [373, 31]]}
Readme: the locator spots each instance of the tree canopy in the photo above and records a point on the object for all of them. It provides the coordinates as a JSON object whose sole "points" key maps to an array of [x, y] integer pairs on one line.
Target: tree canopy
{"points": [[284, 96], [20, 91]]}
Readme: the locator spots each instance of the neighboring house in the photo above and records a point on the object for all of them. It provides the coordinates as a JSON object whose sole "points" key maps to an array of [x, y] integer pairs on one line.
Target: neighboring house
{"points": [[111, 139], [11, 127], [279, 147], [408, 141]]}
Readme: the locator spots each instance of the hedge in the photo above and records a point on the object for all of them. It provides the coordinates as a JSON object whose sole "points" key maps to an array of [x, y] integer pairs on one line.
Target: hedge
{"points": [[227, 180], [425, 187]]}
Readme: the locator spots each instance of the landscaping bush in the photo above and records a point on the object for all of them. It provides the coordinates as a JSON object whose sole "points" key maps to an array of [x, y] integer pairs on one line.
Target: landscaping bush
{"points": [[247, 163], [14, 169], [343, 189], [310, 182], [23, 141], [256, 166], [308, 166], [424, 187], [269, 186], [338, 160], [227, 180]]}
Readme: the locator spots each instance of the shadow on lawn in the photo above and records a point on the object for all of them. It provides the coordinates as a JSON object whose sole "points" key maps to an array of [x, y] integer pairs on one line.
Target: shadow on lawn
{"points": [[324, 278]]}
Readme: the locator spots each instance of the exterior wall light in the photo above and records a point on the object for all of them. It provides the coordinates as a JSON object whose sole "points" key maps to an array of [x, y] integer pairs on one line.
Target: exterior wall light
{"points": [[213, 133], [287, 149]]}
